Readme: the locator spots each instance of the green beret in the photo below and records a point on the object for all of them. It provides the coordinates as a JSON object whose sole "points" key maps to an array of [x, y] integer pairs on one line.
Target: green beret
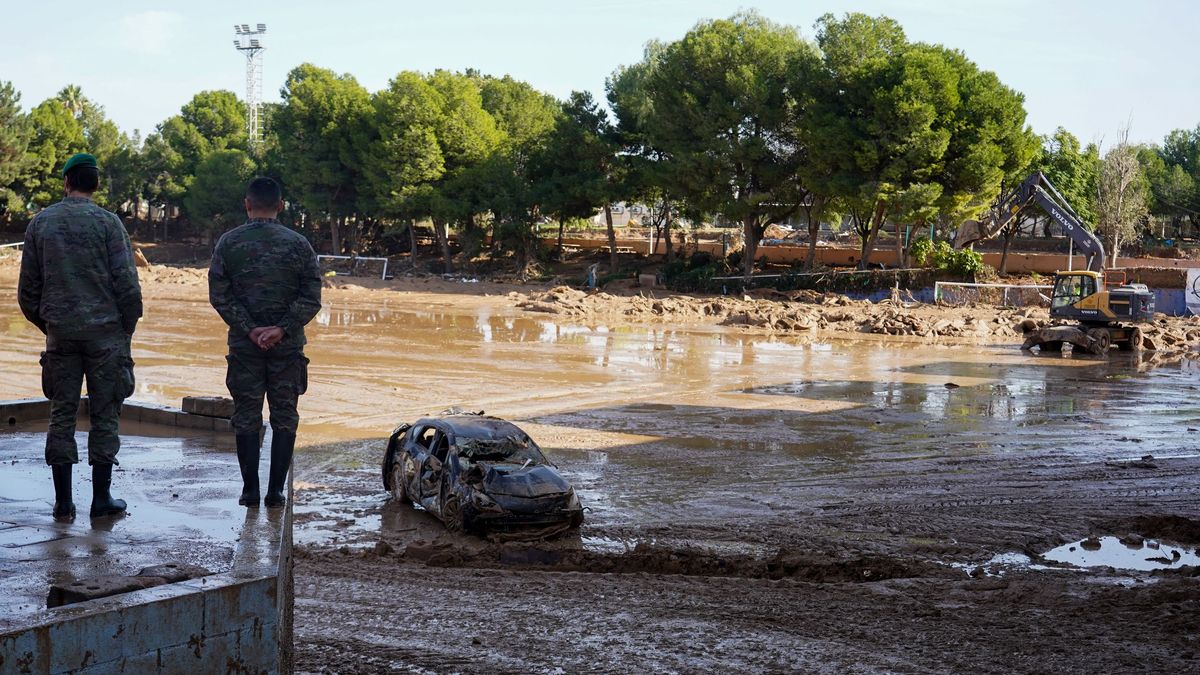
{"points": [[79, 159]]}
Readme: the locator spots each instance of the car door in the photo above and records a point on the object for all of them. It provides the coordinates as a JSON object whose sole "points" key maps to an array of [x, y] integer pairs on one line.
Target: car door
{"points": [[416, 448], [394, 457], [429, 475]]}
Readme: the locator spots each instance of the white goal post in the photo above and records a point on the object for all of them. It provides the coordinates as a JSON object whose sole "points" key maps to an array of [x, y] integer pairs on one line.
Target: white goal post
{"points": [[349, 265], [1005, 295]]}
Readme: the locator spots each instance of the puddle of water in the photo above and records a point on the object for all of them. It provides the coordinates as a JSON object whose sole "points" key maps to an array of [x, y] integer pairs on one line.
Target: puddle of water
{"points": [[1097, 552], [1110, 552], [607, 545], [999, 564]]}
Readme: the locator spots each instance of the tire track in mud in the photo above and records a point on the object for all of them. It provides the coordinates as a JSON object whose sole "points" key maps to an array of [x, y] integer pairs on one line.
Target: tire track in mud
{"points": [[666, 624], [375, 615]]}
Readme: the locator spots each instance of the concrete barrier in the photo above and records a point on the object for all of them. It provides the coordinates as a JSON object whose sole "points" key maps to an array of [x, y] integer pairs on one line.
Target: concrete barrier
{"points": [[236, 620]]}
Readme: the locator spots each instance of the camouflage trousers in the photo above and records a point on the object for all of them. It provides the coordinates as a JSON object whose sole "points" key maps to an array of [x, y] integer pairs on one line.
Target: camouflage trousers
{"points": [[108, 367], [279, 375]]}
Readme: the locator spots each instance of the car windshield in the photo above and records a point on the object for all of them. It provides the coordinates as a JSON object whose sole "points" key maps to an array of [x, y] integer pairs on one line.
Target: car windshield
{"points": [[518, 449]]}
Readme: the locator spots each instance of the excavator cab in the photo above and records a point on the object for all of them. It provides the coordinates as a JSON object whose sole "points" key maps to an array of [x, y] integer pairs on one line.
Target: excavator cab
{"points": [[1082, 296], [1070, 290]]}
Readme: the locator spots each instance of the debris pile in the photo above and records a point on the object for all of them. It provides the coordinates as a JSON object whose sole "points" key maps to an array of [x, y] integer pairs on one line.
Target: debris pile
{"points": [[1171, 334], [167, 274], [806, 311]]}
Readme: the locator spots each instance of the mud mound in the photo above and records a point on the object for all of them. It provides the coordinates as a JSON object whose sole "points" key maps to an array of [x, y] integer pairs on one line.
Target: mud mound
{"points": [[183, 276], [806, 311], [643, 559], [1176, 529]]}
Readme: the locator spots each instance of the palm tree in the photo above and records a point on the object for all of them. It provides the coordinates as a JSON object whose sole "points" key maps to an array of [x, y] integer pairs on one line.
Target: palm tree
{"points": [[73, 99]]}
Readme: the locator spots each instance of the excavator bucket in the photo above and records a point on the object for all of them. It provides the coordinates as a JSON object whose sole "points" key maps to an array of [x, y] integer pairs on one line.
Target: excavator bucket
{"points": [[968, 233]]}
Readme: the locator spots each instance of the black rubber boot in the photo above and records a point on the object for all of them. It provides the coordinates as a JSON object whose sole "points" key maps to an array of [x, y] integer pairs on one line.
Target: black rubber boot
{"points": [[282, 444], [248, 448], [103, 503], [64, 508]]}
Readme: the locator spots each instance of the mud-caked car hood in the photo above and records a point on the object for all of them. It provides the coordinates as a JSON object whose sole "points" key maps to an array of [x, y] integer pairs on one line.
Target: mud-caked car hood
{"points": [[513, 481]]}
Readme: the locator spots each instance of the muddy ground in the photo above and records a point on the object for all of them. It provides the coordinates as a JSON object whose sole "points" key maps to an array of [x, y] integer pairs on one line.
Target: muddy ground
{"points": [[781, 500]]}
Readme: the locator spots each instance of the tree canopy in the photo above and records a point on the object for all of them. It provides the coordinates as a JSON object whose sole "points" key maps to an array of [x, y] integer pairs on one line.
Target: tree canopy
{"points": [[741, 121]]}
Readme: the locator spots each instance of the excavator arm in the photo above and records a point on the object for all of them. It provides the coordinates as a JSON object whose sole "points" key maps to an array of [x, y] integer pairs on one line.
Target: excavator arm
{"points": [[1037, 188]]}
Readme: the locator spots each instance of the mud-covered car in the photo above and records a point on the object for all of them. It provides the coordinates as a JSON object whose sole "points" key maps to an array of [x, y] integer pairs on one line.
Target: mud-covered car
{"points": [[478, 473]]}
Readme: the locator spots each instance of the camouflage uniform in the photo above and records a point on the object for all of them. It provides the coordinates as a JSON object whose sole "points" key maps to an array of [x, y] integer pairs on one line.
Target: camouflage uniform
{"points": [[79, 286], [263, 274]]}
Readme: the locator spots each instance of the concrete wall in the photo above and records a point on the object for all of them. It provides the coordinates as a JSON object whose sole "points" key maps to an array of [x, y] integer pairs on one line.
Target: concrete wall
{"points": [[218, 623], [1018, 263], [32, 409]]}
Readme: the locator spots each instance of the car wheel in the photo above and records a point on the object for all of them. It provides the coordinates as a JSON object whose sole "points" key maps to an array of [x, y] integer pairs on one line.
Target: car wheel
{"points": [[452, 514], [399, 483]]}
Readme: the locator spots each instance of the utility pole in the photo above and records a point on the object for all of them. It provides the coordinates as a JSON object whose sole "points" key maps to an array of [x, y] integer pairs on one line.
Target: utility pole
{"points": [[248, 43]]}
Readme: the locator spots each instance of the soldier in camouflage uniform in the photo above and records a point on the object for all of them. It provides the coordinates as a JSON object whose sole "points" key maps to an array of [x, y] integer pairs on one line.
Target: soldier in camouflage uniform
{"points": [[265, 283], [79, 286]]}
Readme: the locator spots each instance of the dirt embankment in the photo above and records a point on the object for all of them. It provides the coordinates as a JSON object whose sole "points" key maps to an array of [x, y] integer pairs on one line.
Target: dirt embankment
{"points": [[810, 311]]}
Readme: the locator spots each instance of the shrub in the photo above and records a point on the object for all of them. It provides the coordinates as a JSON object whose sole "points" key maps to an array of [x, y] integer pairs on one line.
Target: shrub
{"points": [[941, 256], [921, 252], [694, 274]]}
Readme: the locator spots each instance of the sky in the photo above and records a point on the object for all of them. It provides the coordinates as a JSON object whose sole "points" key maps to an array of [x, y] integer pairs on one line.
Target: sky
{"points": [[1092, 66]]}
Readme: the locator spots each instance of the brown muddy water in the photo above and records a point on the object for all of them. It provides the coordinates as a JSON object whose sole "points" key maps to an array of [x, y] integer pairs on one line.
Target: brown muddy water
{"points": [[743, 490]]}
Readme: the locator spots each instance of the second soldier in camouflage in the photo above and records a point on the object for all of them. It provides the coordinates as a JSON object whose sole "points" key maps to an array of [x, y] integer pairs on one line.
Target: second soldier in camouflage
{"points": [[265, 283]]}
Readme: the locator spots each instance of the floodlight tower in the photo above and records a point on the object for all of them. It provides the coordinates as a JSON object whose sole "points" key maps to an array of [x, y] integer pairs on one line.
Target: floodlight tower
{"points": [[248, 43]]}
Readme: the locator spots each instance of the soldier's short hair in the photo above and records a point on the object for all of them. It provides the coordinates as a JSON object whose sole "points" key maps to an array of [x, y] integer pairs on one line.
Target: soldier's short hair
{"points": [[83, 179], [263, 193]]}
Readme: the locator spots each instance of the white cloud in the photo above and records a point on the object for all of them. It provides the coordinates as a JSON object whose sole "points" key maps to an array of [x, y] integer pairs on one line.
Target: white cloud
{"points": [[149, 33]]}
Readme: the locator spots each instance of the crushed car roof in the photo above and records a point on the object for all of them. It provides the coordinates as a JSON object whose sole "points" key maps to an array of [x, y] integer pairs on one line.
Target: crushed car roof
{"points": [[476, 426]]}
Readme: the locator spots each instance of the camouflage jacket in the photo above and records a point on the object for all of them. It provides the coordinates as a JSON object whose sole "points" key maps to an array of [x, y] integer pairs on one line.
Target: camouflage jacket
{"points": [[263, 274], [78, 279]]}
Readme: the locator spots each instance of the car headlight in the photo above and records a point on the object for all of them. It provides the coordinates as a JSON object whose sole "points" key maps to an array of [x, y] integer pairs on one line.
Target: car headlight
{"points": [[573, 501]]}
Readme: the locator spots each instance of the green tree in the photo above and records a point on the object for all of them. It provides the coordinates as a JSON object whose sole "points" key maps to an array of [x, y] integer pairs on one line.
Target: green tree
{"points": [[125, 173], [405, 160], [102, 138], [645, 168], [1172, 190], [719, 107], [170, 156], [434, 136], [905, 132], [1181, 148], [990, 143], [467, 136], [215, 198], [210, 121], [505, 188], [14, 143], [1074, 170], [56, 135], [570, 170], [72, 98], [219, 117], [1173, 172], [323, 130], [872, 123]]}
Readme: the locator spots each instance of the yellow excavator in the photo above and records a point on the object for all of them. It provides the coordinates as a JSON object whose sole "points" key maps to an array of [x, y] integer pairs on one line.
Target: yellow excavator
{"points": [[1100, 307]]}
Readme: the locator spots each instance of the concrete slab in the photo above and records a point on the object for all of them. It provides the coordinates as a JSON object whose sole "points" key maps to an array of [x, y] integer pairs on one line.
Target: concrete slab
{"points": [[181, 487], [181, 481], [210, 406]]}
